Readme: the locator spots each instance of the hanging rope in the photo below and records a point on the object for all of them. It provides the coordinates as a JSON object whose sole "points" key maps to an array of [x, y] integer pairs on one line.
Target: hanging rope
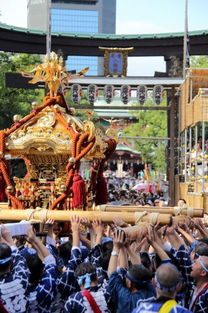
{"points": [[101, 186]]}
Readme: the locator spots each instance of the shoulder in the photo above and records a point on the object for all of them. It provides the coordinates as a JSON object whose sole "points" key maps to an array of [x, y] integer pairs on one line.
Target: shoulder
{"points": [[147, 305], [180, 309], [75, 299]]}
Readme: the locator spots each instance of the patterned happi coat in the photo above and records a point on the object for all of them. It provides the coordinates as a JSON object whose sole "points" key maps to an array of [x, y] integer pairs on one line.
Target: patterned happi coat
{"points": [[14, 285]]}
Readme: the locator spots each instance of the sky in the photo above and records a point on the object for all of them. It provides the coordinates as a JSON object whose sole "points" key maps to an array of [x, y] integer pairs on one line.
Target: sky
{"points": [[133, 17]]}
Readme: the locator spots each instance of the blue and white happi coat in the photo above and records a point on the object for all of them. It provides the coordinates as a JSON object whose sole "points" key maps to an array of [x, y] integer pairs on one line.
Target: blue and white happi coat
{"points": [[14, 285], [77, 303], [153, 305], [200, 305], [124, 299], [42, 295]]}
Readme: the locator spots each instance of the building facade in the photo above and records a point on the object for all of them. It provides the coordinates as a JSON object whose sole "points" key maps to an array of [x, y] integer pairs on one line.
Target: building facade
{"points": [[75, 16]]}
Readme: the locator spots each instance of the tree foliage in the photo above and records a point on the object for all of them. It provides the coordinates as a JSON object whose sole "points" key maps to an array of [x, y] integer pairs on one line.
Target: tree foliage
{"points": [[150, 124], [12, 100], [199, 61]]}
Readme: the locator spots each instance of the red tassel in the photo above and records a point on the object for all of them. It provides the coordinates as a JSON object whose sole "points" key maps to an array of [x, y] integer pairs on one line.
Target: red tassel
{"points": [[79, 193], [101, 191]]}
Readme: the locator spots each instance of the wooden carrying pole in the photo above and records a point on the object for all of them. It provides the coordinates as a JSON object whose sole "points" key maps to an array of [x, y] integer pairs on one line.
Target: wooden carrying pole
{"points": [[41, 215], [191, 212]]}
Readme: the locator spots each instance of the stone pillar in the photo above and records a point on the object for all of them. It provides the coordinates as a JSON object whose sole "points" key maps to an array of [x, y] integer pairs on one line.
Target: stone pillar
{"points": [[174, 66]]}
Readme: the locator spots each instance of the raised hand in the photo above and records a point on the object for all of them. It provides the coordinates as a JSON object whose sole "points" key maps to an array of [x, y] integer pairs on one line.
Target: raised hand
{"points": [[75, 223], [30, 236], [86, 222], [119, 222], [118, 239], [5, 236], [151, 238], [98, 227]]}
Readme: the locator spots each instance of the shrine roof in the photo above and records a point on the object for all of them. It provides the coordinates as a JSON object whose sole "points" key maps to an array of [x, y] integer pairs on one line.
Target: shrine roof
{"points": [[113, 113], [129, 80], [122, 147], [106, 36], [25, 40]]}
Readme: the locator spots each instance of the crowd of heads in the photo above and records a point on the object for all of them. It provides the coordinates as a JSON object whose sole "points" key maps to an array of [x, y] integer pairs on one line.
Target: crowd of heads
{"points": [[122, 192], [123, 268]]}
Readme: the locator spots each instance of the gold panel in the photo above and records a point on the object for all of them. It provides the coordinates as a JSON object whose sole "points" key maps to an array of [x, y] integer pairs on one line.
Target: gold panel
{"points": [[118, 57]]}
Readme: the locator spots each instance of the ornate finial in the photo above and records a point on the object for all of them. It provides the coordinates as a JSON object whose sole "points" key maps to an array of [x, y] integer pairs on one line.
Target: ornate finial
{"points": [[53, 72], [16, 118], [112, 132]]}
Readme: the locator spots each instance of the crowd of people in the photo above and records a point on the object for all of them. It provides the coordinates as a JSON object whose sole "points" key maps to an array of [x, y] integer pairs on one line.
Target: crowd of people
{"points": [[98, 267], [122, 191]]}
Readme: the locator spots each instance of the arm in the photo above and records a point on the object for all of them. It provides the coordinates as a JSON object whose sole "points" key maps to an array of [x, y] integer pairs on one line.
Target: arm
{"points": [[19, 266], [122, 258], [37, 244], [86, 242], [88, 225], [75, 222], [201, 228], [119, 222], [173, 237], [133, 252], [186, 235], [98, 231], [51, 238], [153, 242], [117, 244]]}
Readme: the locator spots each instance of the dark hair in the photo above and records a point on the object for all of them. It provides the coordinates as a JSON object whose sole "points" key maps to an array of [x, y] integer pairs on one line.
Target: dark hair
{"points": [[201, 248], [204, 240], [65, 251], [107, 248], [145, 259], [141, 274], [20, 242], [182, 200], [36, 267], [85, 268], [5, 252]]}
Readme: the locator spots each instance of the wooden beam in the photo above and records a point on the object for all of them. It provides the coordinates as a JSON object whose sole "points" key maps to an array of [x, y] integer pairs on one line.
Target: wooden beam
{"points": [[42, 215], [192, 212]]}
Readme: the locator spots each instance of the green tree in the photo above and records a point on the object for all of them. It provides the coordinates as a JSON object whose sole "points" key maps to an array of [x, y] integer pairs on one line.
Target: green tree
{"points": [[150, 124], [199, 61], [12, 100]]}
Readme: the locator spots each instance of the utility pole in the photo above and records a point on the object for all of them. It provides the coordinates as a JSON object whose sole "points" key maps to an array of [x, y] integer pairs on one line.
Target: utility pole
{"points": [[48, 30], [185, 41]]}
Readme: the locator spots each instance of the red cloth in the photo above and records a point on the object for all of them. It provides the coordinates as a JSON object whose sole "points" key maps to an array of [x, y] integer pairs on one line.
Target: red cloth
{"points": [[91, 301], [2, 188], [2, 308]]}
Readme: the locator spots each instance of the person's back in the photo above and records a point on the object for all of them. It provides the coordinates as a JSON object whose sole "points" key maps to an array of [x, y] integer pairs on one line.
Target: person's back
{"points": [[154, 306], [14, 276], [78, 302], [126, 296], [167, 283], [90, 296]]}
